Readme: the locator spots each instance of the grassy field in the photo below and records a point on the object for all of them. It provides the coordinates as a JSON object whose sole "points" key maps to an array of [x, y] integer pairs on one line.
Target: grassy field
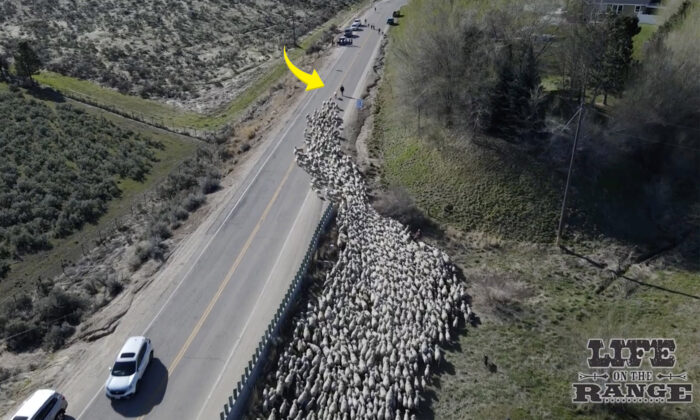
{"points": [[647, 30], [537, 306], [148, 110], [48, 263], [458, 182], [537, 310]]}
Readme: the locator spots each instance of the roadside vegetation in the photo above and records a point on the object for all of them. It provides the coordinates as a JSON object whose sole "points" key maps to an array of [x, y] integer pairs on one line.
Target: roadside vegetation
{"points": [[68, 170], [472, 147], [209, 119], [60, 169]]}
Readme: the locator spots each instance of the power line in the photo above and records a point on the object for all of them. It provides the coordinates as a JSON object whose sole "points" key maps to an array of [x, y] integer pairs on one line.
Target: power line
{"points": [[568, 176], [48, 321]]}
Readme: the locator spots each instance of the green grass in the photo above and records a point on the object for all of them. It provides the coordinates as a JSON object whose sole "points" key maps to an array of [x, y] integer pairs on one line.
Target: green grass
{"points": [[543, 307], [647, 30], [538, 341], [152, 111], [551, 83], [459, 183], [139, 107]]}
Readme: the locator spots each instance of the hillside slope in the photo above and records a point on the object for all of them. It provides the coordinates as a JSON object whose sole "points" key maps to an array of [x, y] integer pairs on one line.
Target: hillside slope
{"points": [[188, 52]]}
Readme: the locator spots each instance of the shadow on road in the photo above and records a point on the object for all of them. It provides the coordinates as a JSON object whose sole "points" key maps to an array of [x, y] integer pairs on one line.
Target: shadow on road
{"points": [[150, 392]]}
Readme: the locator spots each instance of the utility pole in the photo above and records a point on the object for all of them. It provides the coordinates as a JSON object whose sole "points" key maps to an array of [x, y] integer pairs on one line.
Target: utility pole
{"points": [[568, 176]]}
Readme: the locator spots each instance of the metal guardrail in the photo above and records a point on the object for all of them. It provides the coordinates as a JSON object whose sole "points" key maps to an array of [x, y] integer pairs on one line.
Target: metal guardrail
{"points": [[237, 403]]}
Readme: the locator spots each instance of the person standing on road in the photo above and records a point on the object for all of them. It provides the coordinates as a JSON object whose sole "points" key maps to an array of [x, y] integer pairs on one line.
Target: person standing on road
{"points": [[342, 90]]}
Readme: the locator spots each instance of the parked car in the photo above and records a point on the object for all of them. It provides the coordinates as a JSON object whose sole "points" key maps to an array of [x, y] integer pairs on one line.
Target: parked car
{"points": [[357, 21], [390, 21], [344, 41], [396, 13], [348, 32], [44, 404], [355, 26], [129, 367]]}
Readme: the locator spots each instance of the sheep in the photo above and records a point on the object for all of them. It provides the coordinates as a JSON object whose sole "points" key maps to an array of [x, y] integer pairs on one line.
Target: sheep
{"points": [[359, 348]]}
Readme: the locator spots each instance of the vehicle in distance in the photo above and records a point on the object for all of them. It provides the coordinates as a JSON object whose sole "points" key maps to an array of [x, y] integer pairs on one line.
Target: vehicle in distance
{"points": [[44, 404], [129, 367]]}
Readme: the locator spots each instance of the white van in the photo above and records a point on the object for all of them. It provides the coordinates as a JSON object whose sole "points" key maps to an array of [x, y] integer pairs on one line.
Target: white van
{"points": [[43, 404]]}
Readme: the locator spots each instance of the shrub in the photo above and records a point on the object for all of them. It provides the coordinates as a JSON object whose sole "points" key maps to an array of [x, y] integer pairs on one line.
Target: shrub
{"points": [[209, 184], [60, 306], [22, 335], [160, 231], [146, 250], [20, 306], [315, 47], [114, 287], [56, 337], [90, 287], [4, 268], [193, 201], [180, 213], [61, 171]]}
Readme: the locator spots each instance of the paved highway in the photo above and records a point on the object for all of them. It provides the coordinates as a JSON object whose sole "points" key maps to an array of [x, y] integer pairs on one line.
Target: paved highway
{"points": [[206, 326]]}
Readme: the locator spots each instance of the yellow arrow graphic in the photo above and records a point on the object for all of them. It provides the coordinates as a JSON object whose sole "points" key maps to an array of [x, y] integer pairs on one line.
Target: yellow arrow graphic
{"points": [[313, 80]]}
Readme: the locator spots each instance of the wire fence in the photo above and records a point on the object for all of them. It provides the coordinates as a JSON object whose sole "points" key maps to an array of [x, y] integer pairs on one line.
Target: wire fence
{"points": [[166, 124], [234, 408]]}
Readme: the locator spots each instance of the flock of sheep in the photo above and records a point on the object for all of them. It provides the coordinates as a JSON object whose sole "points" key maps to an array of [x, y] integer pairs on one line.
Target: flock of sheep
{"points": [[364, 348]]}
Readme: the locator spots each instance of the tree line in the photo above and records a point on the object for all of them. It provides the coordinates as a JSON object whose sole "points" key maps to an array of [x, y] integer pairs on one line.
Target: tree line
{"points": [[478, 68]]}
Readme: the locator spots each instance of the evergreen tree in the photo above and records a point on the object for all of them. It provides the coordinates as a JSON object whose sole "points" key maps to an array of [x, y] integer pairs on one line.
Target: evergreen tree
{"points": [[4, 67], [611, 74], [27, 62], [516, 109]]}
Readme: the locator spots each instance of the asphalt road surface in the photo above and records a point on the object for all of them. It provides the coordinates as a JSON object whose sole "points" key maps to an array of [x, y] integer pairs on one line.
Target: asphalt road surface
{"points": [[205, 330]]}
